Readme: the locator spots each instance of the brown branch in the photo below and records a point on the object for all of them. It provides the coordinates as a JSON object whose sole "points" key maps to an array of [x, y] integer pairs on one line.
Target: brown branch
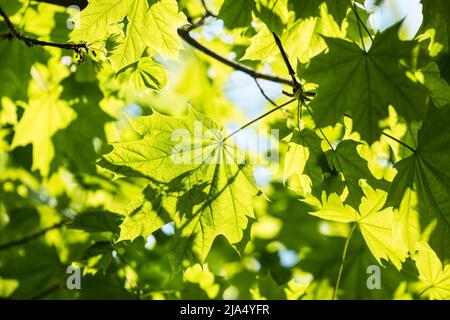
{"points": [[305, 97], [183, 32], [66, 3], [264, 93], [14, 33], [32, 237], [286, 61]]}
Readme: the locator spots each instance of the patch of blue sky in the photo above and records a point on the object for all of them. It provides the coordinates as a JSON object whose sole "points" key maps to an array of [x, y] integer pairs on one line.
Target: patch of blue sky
{"points": [[392, 11], [168, 229], [242, 90], [288, 258], [133, 110]]}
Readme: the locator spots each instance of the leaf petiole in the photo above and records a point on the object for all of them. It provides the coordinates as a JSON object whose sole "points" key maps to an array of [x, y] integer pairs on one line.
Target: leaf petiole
{"points": [[344, 256], [258, 118]]}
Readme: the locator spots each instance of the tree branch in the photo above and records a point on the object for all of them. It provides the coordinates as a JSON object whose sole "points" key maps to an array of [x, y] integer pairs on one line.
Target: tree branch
{"points": [[286, 61], [14, 33], [32, 237], [320, 129], [183, 32], [66, 3]]}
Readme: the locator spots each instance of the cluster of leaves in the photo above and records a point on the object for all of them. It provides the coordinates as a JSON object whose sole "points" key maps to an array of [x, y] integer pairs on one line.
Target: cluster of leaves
{"points": [[88, 176]]}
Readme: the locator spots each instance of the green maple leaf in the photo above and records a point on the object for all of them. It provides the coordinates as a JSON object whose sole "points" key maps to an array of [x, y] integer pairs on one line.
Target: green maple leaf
{"points": [[406, 226], [11, 7], [95, 19], [302, 41], [311, 8], [346, 160], [270, 289], [74, 144], [55, 116], [427, 172], [147, 23], [366, 83], [162, 21], [147, 73], [145, 216], [326, 257], [48, 269], [439, 88], [130, 48], [18, 59], [375, 222], [45, 115], [97, 221], [437, 16], [274, 13], [431, 272], [208, 191], [304, 157], [237, 13], [262, 46], [155, 154]]}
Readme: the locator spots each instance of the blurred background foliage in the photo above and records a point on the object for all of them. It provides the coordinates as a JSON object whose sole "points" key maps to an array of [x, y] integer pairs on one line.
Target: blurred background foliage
{"points": [[58, 209]]}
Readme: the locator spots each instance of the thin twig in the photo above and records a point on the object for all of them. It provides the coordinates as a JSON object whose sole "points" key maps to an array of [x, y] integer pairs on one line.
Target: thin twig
{"points": [[292, 73], [264, 94], [258, 118], [423, 291], [14, 33], [32, 237], [355, 11], [361, 37], [320, 129], [184, 34], [299, 114], [294, 78], [390, 137], [399, 141]]}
